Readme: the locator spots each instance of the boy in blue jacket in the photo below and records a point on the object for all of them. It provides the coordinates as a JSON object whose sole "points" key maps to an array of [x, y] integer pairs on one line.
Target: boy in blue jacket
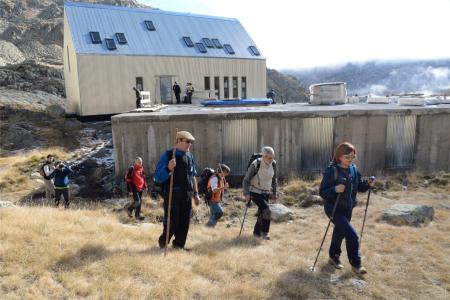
{"points": [[61, 175], [341, 182]]}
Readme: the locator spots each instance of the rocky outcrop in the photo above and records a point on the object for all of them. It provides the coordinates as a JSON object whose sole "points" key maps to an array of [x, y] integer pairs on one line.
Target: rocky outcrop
{"points": [[409, 214], [10, 54], [280, 213]]}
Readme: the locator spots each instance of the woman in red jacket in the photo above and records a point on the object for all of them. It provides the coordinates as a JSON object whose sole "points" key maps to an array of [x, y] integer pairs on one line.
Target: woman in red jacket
{"points": [[136, 180]]}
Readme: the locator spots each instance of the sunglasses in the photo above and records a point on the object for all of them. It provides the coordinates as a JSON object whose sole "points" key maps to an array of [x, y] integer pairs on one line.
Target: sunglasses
{"points": [[188, 141], [350, 157]]}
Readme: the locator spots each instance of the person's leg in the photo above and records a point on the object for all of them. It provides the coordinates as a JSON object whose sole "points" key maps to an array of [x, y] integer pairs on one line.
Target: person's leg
{"points": [[342, 223], [174, 220], [212, 220], [218, 211], [48, 189], [184, 215], [57, 196], [177, 95], [137, 205], [65, 194], [336, 242], [265, 214], [133, 205]]}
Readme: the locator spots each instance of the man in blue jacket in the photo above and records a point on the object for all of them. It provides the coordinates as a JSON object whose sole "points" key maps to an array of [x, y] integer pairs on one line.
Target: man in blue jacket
{"points": [[182, 166], [61, 175]]}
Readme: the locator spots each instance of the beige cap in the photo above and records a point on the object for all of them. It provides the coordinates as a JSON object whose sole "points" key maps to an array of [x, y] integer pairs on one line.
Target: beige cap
{"points": [[185, 135]]}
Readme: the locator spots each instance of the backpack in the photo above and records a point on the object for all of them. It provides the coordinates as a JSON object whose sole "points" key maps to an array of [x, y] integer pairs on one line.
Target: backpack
{"points": [[42, 172], [127, 178], [205, 175], [258, 157]]}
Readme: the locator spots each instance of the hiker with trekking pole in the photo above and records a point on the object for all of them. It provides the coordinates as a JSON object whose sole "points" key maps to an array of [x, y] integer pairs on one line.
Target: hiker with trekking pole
{"points": [[340, 183], [216, 186], [175, 172], [260, 184]]}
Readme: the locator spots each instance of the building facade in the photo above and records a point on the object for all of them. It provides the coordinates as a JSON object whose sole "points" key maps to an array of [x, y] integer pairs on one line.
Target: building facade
{"points": [[108, 50]]}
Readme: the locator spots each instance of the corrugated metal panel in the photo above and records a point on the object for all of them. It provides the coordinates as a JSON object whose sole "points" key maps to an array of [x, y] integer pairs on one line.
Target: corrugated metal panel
{"points": [[239, 143], [316, 143], [400, 141], [166, 40]]}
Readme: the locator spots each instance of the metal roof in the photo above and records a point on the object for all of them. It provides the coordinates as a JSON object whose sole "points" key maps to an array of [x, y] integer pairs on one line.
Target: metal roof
{"points": [[166, 40]]}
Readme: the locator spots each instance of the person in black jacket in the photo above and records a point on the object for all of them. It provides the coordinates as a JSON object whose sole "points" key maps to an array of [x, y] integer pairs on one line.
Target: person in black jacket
{"points": [[177, 90], [341, 182], [138, 97]]}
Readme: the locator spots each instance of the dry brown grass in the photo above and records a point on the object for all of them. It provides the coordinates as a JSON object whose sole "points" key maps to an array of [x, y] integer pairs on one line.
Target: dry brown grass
{"points": [[52, 253], [15, 170]]}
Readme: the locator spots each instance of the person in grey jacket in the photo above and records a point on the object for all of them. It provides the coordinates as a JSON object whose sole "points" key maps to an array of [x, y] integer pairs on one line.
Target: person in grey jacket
{"points": [[260, 183]]}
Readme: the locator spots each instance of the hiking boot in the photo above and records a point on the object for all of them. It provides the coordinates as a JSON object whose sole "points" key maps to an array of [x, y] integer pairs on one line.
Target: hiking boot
{"points": [[265, 236], [129, 213], [359, 270], [140, 218], [336, 262]]}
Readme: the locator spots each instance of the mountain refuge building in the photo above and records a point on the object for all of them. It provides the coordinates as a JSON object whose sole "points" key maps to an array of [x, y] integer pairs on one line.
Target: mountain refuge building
{"points": [[108, 50]]}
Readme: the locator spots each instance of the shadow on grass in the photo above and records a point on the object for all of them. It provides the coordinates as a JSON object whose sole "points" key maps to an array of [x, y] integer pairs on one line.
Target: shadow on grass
{"points": [[223, 244], [302, 284]]}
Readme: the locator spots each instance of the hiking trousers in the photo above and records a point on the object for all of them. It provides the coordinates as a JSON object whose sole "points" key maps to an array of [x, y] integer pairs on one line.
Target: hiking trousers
{"points": [[137, 202], [180, 217], [262, 224], [343, 230], [62, 192], [216, 212], [49, 189]]}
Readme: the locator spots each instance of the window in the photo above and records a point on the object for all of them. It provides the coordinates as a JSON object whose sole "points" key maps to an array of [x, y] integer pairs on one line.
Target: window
{"points": [[254, 51], [235, 87], [188, 41], [201, 47], [110, 44], [228, 48], [149, 25], [95, 37], [121, 38], [226, 90], [139, 83], [244, 87], [217, 86], [208, 42], [217, 43]]}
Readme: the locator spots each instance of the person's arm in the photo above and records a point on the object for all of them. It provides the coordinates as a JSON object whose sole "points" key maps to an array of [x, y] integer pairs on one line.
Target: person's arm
{"points": [[247, 178], [162, 173], [215, 184], [47, 171], [327, 185], [274, 180]]}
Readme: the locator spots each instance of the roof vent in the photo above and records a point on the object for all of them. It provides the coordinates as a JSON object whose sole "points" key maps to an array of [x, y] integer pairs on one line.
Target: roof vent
{"points": [[254, 51], [208, 42], [121, 38], [188, 41], [201, 47]]}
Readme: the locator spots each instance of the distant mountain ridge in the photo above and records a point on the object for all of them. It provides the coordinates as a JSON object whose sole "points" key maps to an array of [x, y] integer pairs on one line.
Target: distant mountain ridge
{"points": [[383, 77]]}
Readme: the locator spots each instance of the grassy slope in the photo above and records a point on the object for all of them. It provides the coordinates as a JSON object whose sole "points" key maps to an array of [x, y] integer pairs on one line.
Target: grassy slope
{"points": [[51, 253]]}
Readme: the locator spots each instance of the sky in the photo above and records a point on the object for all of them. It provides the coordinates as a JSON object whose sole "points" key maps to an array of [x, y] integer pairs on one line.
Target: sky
{"points": [[303, 34]]}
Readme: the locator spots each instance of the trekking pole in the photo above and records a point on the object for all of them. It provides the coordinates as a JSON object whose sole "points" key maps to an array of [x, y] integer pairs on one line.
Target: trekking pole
{"points": [[365, 213], [225, 182], [243, 220], [312, 269], [170, 198]]}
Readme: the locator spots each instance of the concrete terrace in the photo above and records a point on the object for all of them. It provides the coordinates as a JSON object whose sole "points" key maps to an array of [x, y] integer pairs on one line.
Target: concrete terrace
{"points": [[183, 112]]}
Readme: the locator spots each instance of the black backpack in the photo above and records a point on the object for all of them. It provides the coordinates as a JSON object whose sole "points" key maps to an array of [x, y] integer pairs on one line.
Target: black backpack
{"points": [[258, 157], [205, 175]]}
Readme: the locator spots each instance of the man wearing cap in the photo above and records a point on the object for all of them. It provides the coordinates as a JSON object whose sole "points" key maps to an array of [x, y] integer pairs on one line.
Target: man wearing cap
{"points": [[182, 166]]}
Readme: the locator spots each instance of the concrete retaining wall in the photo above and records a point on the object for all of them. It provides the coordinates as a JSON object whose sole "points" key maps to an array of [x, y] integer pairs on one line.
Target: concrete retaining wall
{"points": [[303, 136]]}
